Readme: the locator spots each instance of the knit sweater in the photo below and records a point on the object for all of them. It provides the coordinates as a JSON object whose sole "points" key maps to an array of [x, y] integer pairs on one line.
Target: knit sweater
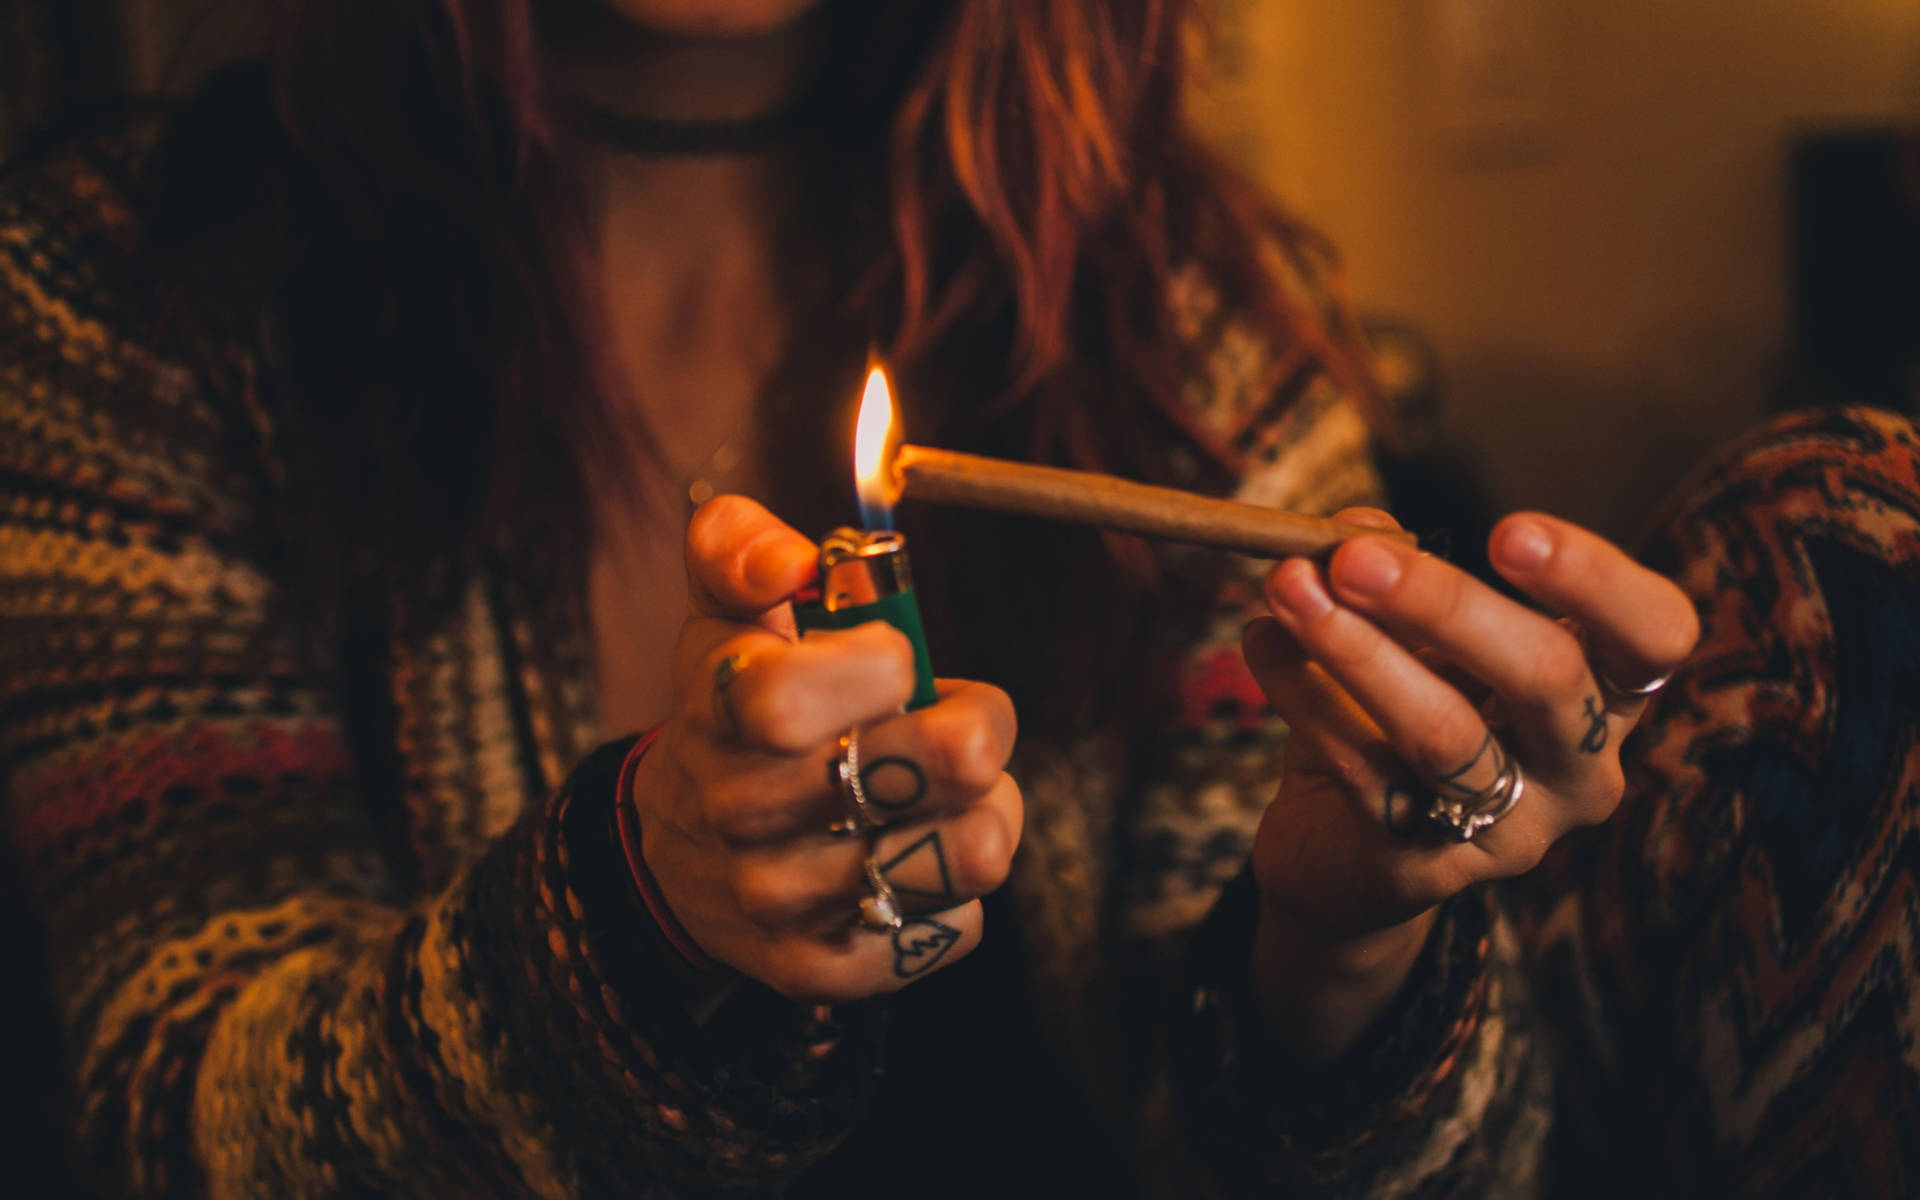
{"points": [[333, 921]]}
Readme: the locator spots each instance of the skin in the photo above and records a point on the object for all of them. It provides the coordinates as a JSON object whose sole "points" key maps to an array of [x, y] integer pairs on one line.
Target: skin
{"points": [[691, 253], [711, 18], [735, 797], [1347, 902]]}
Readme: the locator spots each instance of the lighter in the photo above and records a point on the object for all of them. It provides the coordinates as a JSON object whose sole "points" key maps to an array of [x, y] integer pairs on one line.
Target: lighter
{"points": [[864, 576]]}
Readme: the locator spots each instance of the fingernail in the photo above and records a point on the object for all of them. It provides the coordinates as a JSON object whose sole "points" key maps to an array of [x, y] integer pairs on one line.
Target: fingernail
{"points": [[1296, 588], [1365, 566], [1525, 545]]}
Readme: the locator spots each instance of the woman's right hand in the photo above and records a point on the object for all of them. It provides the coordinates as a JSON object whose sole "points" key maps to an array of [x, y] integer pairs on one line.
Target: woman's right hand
{"points": [[736, 796]]}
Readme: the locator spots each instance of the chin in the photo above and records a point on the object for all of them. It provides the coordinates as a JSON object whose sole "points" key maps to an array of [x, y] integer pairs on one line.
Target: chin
{"points": [[711, 18]]}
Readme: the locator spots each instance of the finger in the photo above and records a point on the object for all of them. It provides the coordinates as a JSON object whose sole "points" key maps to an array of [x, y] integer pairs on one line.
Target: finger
{"points": [[1639, 625], [742, 561], [1473, 689], [935, 865], [932, 866], [1372, 518], [787, 698], [932, 762], [1333, 739], [1536, 667], [1268, 647], [1432, 724], [942, 757], [1345, 743]]}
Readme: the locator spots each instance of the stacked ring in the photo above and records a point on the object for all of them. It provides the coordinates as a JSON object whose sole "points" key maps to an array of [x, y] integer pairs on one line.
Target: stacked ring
{"points": [[880, 911], [845, 773], [1463, 818]]}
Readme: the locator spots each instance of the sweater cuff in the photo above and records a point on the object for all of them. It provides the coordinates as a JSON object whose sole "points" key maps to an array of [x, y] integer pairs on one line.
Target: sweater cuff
{"points": [[699, 972], [1262, 1118], [757, 1091]]}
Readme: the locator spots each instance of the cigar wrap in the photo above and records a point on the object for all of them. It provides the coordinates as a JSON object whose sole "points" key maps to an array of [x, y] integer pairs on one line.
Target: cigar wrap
{"points": [[865, 576], [1109, 502]]}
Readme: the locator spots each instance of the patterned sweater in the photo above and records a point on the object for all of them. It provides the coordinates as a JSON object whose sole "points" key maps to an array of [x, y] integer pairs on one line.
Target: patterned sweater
{"points": [[331, 923]]}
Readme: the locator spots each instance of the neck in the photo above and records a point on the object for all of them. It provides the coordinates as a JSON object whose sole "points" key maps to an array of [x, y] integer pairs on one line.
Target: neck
{"points": [[695, 224], [692, 248]]}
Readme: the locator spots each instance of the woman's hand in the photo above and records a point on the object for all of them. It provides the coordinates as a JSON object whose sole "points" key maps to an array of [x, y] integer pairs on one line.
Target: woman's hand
{"points": [[736, 797], [1410, 687]]}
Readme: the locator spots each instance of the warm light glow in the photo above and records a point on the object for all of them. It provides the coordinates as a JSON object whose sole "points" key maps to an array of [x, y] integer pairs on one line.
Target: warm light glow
{"points": [[874, 439]]}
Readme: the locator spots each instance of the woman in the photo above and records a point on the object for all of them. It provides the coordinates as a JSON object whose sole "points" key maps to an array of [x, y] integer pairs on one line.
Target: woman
{"points": [[348, 440]]}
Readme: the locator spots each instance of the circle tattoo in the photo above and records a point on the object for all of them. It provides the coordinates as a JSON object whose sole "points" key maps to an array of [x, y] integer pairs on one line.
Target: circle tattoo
{"points": [[894, 783]]}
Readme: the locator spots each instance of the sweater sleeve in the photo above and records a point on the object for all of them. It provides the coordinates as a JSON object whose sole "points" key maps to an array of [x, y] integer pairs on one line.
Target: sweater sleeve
{"points": [[1731, 961], [252, 1001], [1446, 1091]]}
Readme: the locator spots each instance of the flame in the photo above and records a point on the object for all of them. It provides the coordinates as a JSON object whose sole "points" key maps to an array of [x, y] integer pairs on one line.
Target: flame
{"points": [[874, 439]]}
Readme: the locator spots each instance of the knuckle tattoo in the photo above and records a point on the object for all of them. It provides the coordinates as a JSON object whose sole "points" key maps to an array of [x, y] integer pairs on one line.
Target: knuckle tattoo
{"points": [[1594, 740], [727, 670], [893, 783], [920, 944], [921, 875]]}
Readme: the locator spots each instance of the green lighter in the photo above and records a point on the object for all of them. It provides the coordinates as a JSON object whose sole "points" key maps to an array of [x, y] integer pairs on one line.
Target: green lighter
{"points": [[864, 576]]}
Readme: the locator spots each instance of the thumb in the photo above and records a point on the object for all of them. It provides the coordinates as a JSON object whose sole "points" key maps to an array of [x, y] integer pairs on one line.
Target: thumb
{"points": [[742, 561]]}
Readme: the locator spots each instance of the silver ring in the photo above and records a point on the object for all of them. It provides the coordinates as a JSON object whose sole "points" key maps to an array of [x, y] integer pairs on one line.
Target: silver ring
{"points": [[880, 911], [845, 771], [1465, 817], [1608, 685], [1607, 682]]}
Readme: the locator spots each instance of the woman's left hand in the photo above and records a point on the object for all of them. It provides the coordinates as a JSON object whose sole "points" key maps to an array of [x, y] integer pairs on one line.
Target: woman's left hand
{"points": [[1416, 697]]}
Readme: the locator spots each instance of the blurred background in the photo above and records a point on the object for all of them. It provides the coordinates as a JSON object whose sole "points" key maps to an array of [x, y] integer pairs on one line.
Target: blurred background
{"points": [[1624, 229]]}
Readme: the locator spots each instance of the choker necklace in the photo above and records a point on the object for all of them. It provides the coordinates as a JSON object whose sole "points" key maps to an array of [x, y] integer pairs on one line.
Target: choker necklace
{"points": [[662, 137]]}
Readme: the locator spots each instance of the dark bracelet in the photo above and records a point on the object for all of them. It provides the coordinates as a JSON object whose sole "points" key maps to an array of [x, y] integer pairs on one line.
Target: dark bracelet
{"points": [[626, 827]]}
